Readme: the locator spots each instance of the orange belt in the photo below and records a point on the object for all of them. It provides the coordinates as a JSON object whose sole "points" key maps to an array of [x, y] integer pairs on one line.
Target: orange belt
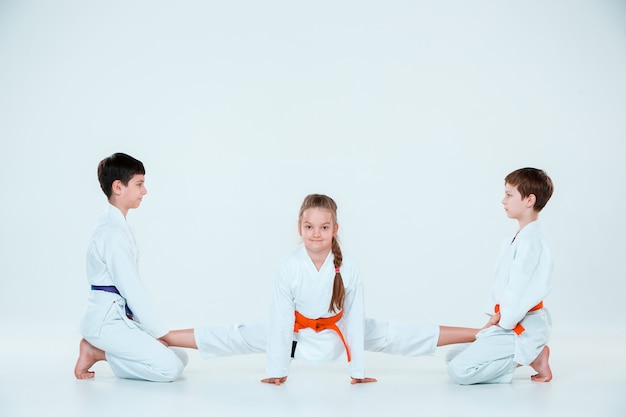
{"points": [[320, 324], [519, 329]]}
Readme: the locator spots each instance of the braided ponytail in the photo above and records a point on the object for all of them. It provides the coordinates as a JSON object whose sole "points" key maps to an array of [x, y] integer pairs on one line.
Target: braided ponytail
{"points": [[339, 291]]}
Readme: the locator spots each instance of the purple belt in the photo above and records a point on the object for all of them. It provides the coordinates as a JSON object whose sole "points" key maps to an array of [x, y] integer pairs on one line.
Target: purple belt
{"points": [[112, 289]]}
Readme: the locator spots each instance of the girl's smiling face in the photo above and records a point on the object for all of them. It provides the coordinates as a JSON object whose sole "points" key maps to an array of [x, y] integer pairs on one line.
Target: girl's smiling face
{"points": [[317, 228]]}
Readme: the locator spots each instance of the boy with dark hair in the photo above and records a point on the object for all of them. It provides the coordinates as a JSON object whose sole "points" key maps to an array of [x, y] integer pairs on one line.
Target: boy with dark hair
{"points": [[522, 281], [120, 324]]}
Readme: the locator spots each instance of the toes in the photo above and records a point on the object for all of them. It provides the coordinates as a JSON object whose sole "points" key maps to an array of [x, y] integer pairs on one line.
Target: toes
{"points": [[85, 375], [539, 378]]}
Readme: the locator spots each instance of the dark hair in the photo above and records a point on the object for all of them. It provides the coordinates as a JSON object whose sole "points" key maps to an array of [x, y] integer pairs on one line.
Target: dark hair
{"points": [[532, 181], [118, 166], [325, 202]]}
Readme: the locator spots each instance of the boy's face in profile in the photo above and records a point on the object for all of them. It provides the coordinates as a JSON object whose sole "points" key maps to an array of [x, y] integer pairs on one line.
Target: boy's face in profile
{"points": [[131, 195], [514, 205]]}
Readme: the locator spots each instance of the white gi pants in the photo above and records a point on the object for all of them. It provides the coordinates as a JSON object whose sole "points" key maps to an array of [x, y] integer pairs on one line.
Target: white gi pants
{"points": [[392, 338], [497, 352], [405, 339], [132, 353], [488, 360], [238, 339]]}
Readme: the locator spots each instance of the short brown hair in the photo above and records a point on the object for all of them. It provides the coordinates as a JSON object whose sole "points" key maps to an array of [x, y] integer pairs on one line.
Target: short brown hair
{"points": [[532, 181]]}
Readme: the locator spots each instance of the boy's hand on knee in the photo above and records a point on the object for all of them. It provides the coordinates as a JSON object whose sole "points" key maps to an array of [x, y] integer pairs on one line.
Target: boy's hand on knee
{"points": [[493, 320]]}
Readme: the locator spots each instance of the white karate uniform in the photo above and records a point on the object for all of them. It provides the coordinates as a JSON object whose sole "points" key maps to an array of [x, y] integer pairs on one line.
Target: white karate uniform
{"points": [[406, 339], [131, 346], [238, 339], [523, 278], [299, 286]]}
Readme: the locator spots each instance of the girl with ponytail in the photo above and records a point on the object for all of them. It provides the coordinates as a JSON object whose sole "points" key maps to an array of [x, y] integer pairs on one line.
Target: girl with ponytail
{"points": [[317, 308], [318, 201]]}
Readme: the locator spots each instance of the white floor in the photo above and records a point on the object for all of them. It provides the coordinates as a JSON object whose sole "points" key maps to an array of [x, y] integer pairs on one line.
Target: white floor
{"points": [[36, 380]]}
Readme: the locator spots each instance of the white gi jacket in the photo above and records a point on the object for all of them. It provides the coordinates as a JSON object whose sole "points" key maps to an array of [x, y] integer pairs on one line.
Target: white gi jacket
{"points": [[112, 259], [523, 278], [298, 286]]}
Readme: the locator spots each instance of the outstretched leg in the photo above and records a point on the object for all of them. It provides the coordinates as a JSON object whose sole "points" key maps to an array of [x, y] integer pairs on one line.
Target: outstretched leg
{"points": [[405, 339], [451, 335], [542, 366], [88, 355], [182, 338], [218, 341]]}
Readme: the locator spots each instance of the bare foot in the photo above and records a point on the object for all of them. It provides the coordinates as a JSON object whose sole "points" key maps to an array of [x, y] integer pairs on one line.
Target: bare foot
{"points": [[87, 356], [542, 366]]}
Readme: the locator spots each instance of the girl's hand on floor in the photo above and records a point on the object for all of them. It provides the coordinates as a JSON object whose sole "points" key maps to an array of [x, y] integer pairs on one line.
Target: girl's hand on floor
{"points": [[275, 381], [363, 380]]}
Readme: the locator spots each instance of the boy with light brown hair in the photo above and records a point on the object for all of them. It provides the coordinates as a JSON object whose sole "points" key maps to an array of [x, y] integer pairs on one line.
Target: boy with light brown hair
{"points": [[523, 279]]}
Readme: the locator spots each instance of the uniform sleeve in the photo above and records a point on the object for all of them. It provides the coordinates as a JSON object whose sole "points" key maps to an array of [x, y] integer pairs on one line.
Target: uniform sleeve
{"points": [[120, 258], [528, 283], [354, 316], [281, 324]]}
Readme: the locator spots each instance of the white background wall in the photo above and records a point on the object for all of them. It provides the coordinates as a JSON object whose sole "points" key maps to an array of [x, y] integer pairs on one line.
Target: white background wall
{"points": [[409, 114]]}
